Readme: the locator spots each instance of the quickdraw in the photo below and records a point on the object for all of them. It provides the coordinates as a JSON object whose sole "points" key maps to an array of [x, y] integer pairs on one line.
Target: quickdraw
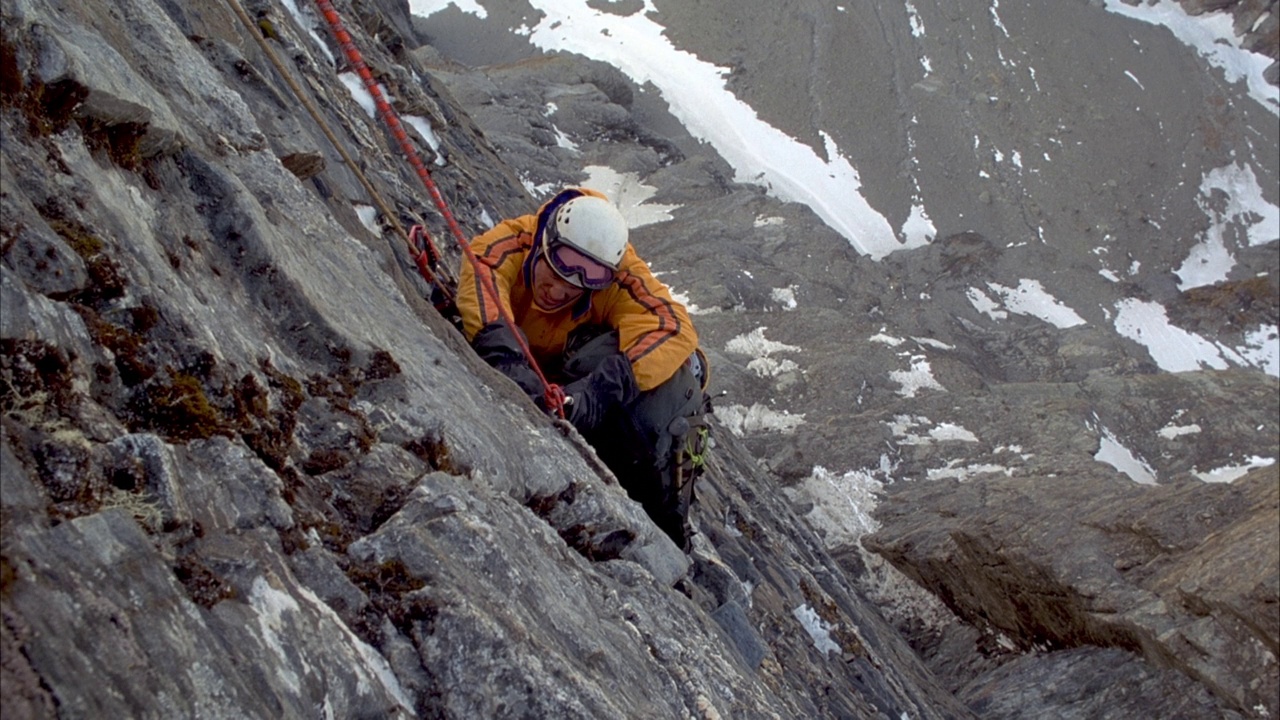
{"points": [[691, 459]]}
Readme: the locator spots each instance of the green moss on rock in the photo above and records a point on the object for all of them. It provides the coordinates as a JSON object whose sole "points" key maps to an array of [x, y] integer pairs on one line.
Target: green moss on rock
{"points": [[107, 279], [178, 409]]}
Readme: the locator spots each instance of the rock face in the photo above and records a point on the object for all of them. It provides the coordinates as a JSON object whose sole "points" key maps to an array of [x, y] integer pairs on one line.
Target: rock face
{"points": [[1119, 567], [249, 472]]}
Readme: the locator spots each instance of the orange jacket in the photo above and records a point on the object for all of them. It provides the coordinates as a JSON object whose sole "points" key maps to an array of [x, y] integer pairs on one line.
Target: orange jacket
{"points": [[654, 330]]}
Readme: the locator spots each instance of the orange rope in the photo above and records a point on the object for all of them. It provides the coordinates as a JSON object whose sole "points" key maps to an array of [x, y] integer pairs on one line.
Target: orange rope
{"points": [[553, 395]]}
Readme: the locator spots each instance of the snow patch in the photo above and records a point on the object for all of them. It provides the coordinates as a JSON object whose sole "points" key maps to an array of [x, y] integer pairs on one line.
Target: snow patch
{"points": [[985, 305], [1171, 347], [1113, 453], [1262, 349], [913, 16], [918, 230], [886, 339], [786, 297], [1246, 212], [629, 194], [742, 421], [306, 19], [369, 218], [756, 345], [1231, 473], [819, 630], [563, 140], [771, 367], [698, 97], [689, 307], [930, 342], [1030, 298], [916, 379], [954, 471], [995, 17], [842, 504], [430, 7], [538, 191], [360, 93], [1169, 432], [905, 427], [423, 126]]}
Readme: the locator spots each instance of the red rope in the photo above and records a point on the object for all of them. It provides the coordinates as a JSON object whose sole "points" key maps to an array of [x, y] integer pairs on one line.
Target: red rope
{"points": [[553, 395]]}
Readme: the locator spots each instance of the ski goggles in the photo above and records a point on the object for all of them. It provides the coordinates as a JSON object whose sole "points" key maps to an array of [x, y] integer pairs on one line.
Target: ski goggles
{"points": [[576, 267]]}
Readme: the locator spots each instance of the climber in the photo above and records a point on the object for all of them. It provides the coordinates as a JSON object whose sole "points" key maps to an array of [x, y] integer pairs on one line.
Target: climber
{"points": [[600, 325]]}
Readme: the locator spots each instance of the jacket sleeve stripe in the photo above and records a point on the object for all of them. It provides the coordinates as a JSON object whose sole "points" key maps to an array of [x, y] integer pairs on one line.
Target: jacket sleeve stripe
{"points": [[493, 258], [668, 320]]}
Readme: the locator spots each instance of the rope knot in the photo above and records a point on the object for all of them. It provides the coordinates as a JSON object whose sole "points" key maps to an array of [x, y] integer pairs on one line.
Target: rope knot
{"points": [[554, 399]]}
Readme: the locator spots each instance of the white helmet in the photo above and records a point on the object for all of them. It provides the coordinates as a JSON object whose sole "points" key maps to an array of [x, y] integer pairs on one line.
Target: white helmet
{"points": [[594, 226]]}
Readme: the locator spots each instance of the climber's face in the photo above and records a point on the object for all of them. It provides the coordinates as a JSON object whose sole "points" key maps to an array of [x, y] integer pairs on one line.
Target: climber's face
{"points": [[550, 291]]}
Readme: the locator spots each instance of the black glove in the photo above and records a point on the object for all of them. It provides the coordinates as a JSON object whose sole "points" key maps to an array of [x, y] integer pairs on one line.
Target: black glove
{"points": [[497, 345], [611, 384]]}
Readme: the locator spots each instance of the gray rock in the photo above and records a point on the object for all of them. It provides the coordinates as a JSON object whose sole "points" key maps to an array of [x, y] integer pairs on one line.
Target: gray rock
{"points": [[99, 583], [1105, 563], [317, 569], [1089, 682], [23, 502], [734, 621], [374, 487], [111, 93], [39, 257]]}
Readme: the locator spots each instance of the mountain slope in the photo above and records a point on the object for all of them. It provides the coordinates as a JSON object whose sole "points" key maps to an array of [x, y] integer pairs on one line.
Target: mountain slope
{"points": [[248, 471]]}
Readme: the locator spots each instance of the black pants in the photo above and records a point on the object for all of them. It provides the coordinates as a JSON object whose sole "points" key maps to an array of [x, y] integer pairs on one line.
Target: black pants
{"points": [[638, 441]]}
